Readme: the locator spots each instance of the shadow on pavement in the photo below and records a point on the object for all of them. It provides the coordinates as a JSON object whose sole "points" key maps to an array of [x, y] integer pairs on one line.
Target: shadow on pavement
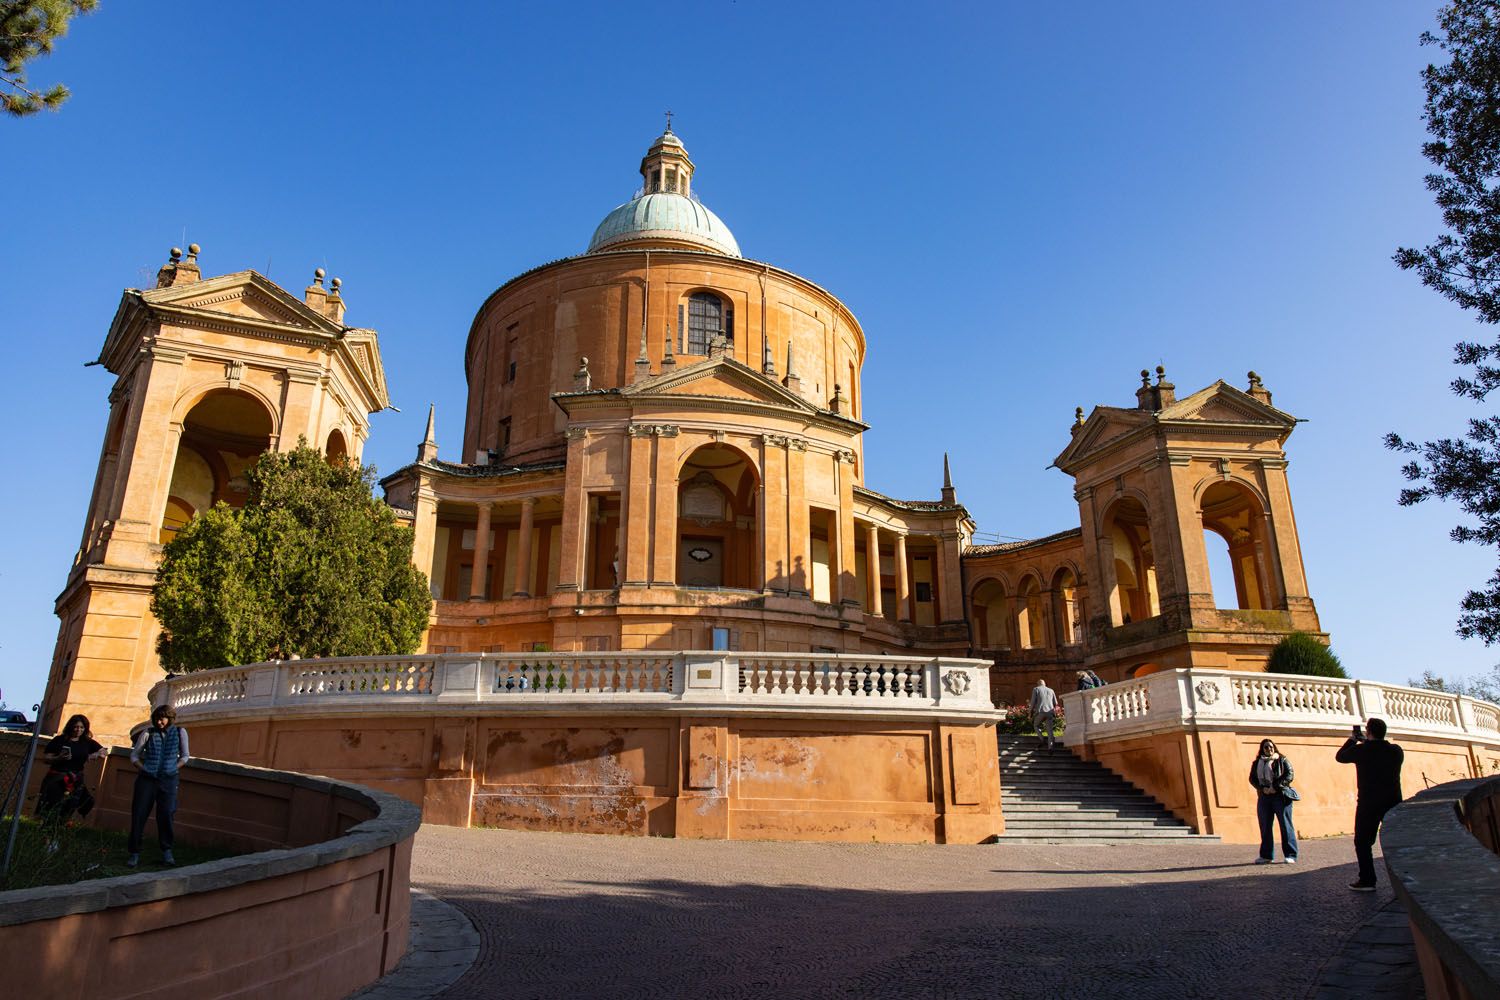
{"points": [[1257, 936]]}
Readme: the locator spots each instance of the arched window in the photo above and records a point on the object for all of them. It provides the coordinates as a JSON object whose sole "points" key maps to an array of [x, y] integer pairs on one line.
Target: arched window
{"points": [[708, 316]]}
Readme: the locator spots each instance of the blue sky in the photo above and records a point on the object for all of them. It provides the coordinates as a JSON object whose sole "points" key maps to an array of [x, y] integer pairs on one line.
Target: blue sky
{"points": [[1025, 204]]}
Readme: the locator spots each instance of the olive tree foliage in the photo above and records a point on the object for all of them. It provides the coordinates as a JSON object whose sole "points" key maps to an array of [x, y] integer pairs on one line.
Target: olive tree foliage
{"points": [[312, 565], [1463, 265], [28, 29], [1300, 653]]}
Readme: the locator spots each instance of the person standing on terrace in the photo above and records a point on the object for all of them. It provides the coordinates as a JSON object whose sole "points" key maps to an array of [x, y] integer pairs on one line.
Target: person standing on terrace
{"points": [[159, 753], [1377, 766]]}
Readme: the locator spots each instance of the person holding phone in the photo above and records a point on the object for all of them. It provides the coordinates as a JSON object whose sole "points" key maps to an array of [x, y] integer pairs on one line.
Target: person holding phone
{"points": [[1377, 766], [63, 792]]}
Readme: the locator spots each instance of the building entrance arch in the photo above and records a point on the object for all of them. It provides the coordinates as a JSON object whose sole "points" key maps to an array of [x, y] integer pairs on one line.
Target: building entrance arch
{"points": [[717, 543]]}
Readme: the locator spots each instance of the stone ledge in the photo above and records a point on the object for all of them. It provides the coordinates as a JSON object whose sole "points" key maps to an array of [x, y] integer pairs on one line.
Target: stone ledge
{"points": [[1448, 881], [394, 820]]}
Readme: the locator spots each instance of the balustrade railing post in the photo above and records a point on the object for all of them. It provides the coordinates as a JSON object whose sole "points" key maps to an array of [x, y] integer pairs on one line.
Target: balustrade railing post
{"points": [[457, 678]]}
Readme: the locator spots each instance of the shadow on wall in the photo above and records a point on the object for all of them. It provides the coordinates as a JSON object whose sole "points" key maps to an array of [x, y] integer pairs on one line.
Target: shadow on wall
{"points": [[678, 938]]}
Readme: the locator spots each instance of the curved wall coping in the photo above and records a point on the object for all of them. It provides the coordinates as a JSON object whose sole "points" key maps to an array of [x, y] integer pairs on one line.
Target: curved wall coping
{"points": [[394, 821], [1200, 699], [1448, 881], [838, 686]]}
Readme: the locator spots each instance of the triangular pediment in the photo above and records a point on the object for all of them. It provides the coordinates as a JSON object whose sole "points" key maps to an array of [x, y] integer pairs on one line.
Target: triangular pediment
{"points": [[1222, 403], [244, 295], [1105, 425], [721, 378]]}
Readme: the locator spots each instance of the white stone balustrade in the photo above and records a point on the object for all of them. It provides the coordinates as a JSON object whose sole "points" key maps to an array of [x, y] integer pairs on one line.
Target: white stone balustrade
{"points": [[1226, 699], [723, 682]]}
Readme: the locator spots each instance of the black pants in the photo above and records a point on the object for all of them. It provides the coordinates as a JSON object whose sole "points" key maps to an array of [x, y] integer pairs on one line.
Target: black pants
{"points": [[57, 801], [160, 794], [1367, 817]]}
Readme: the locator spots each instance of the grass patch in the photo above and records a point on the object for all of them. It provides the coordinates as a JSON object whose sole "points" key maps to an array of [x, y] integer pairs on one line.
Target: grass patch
{"points": [[86, 852]]}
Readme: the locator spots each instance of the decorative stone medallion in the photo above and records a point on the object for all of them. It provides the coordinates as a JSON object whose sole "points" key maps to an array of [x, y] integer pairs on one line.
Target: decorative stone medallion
{"points": [[1208, 692], [957, 682]]}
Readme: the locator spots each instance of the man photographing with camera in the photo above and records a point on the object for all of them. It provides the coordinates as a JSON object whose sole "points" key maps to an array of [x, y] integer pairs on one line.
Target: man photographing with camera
{"points": [[1377, 767]]}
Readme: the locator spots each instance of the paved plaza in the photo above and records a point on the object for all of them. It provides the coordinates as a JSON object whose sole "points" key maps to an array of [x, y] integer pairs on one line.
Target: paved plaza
{"points": [[563, 915]]}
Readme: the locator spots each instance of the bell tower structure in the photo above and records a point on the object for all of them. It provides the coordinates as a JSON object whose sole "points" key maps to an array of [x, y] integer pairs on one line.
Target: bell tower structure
{"points": [[209, 373]]}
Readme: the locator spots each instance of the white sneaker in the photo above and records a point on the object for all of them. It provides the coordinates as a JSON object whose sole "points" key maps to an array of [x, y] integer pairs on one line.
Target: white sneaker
{"points": [[1289, 861]]}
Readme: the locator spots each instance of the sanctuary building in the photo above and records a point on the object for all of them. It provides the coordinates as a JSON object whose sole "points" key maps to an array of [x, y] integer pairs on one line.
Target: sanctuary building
{"points": [[663, 450]]}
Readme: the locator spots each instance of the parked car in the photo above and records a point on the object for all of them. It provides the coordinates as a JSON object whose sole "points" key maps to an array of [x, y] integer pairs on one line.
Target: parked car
{"points": [[14, 720]]}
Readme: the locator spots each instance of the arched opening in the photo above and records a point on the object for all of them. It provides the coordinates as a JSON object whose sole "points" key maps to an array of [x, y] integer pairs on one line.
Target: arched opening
{"points": [[1031, 617], [1234, 537], [1069, 612], [1129, 552], [991, 611], [221, 435], [716, 520], [1145, 669], [336, 450]]}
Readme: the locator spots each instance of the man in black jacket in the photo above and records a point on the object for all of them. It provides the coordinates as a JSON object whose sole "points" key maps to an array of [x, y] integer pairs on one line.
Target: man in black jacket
{"points": [[1377, 766]]}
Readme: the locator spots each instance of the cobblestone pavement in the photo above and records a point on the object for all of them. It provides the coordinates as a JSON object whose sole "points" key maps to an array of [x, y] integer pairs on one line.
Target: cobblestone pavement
{"points": [[572, 915]]}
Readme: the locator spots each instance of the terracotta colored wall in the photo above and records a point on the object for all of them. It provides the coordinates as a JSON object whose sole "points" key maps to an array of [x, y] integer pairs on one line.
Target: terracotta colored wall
{"points": [[648, 774], [321, 921], [1203, 777]]}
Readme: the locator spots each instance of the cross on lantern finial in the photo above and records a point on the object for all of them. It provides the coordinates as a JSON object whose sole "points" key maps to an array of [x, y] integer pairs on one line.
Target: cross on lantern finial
{"points": [[669, 121]]}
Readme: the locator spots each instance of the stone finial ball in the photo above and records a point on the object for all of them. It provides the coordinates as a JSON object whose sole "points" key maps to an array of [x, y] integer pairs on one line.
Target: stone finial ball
{"points": [[318, 273], [1145, 376], [175, 253], [1160, 371], [337, 283], [193, 249]]}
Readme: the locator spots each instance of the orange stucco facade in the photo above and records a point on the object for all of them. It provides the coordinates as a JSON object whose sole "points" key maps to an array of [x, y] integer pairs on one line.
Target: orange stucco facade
{"points": [[640, 773], [663, 449]]}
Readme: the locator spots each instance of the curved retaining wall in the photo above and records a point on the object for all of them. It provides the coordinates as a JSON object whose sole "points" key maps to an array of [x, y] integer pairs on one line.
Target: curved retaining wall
{"points": [[322, 909], [1440, 849]]}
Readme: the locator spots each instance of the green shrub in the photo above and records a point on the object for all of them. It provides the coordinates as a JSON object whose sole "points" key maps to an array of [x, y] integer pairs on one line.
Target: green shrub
{"points": [[1300, 653]]}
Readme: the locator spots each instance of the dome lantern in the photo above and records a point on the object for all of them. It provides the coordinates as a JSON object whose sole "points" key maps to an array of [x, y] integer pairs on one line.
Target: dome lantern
{"points": [[664, 213]]}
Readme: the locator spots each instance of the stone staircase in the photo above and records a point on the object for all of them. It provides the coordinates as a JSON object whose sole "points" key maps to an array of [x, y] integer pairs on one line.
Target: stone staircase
{"points": [[1052, 797]]}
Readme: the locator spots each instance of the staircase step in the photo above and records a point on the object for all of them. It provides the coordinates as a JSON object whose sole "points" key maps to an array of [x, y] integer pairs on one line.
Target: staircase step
{"points": [[1054, 797]]}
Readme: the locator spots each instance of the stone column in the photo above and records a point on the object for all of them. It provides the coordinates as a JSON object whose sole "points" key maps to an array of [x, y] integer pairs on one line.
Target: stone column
{"points": [[481, 554], [636, 559], [776, 566], [424, 532], [843, 548], [664, 524], [872, 567], [1285, 553], [523, 549], [950, 577], [798, 542], [1189, 528], [903, 586], [575, 513], [141, 492]]}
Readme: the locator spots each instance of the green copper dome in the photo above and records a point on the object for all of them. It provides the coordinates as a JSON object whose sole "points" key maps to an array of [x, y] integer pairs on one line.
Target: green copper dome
{"points": [[666, 216]]}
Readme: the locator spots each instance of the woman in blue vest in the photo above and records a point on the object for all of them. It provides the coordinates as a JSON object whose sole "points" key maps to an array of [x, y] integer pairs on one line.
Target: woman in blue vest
{"points": [[159, 753]]}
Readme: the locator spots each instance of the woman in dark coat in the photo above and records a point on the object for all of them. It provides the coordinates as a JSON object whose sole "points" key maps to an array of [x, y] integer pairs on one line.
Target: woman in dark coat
{"points": [[1271, 774]]}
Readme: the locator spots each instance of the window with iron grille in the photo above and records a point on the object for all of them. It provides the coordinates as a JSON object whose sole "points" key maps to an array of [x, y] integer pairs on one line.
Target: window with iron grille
{"points": [[708, 316]]}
